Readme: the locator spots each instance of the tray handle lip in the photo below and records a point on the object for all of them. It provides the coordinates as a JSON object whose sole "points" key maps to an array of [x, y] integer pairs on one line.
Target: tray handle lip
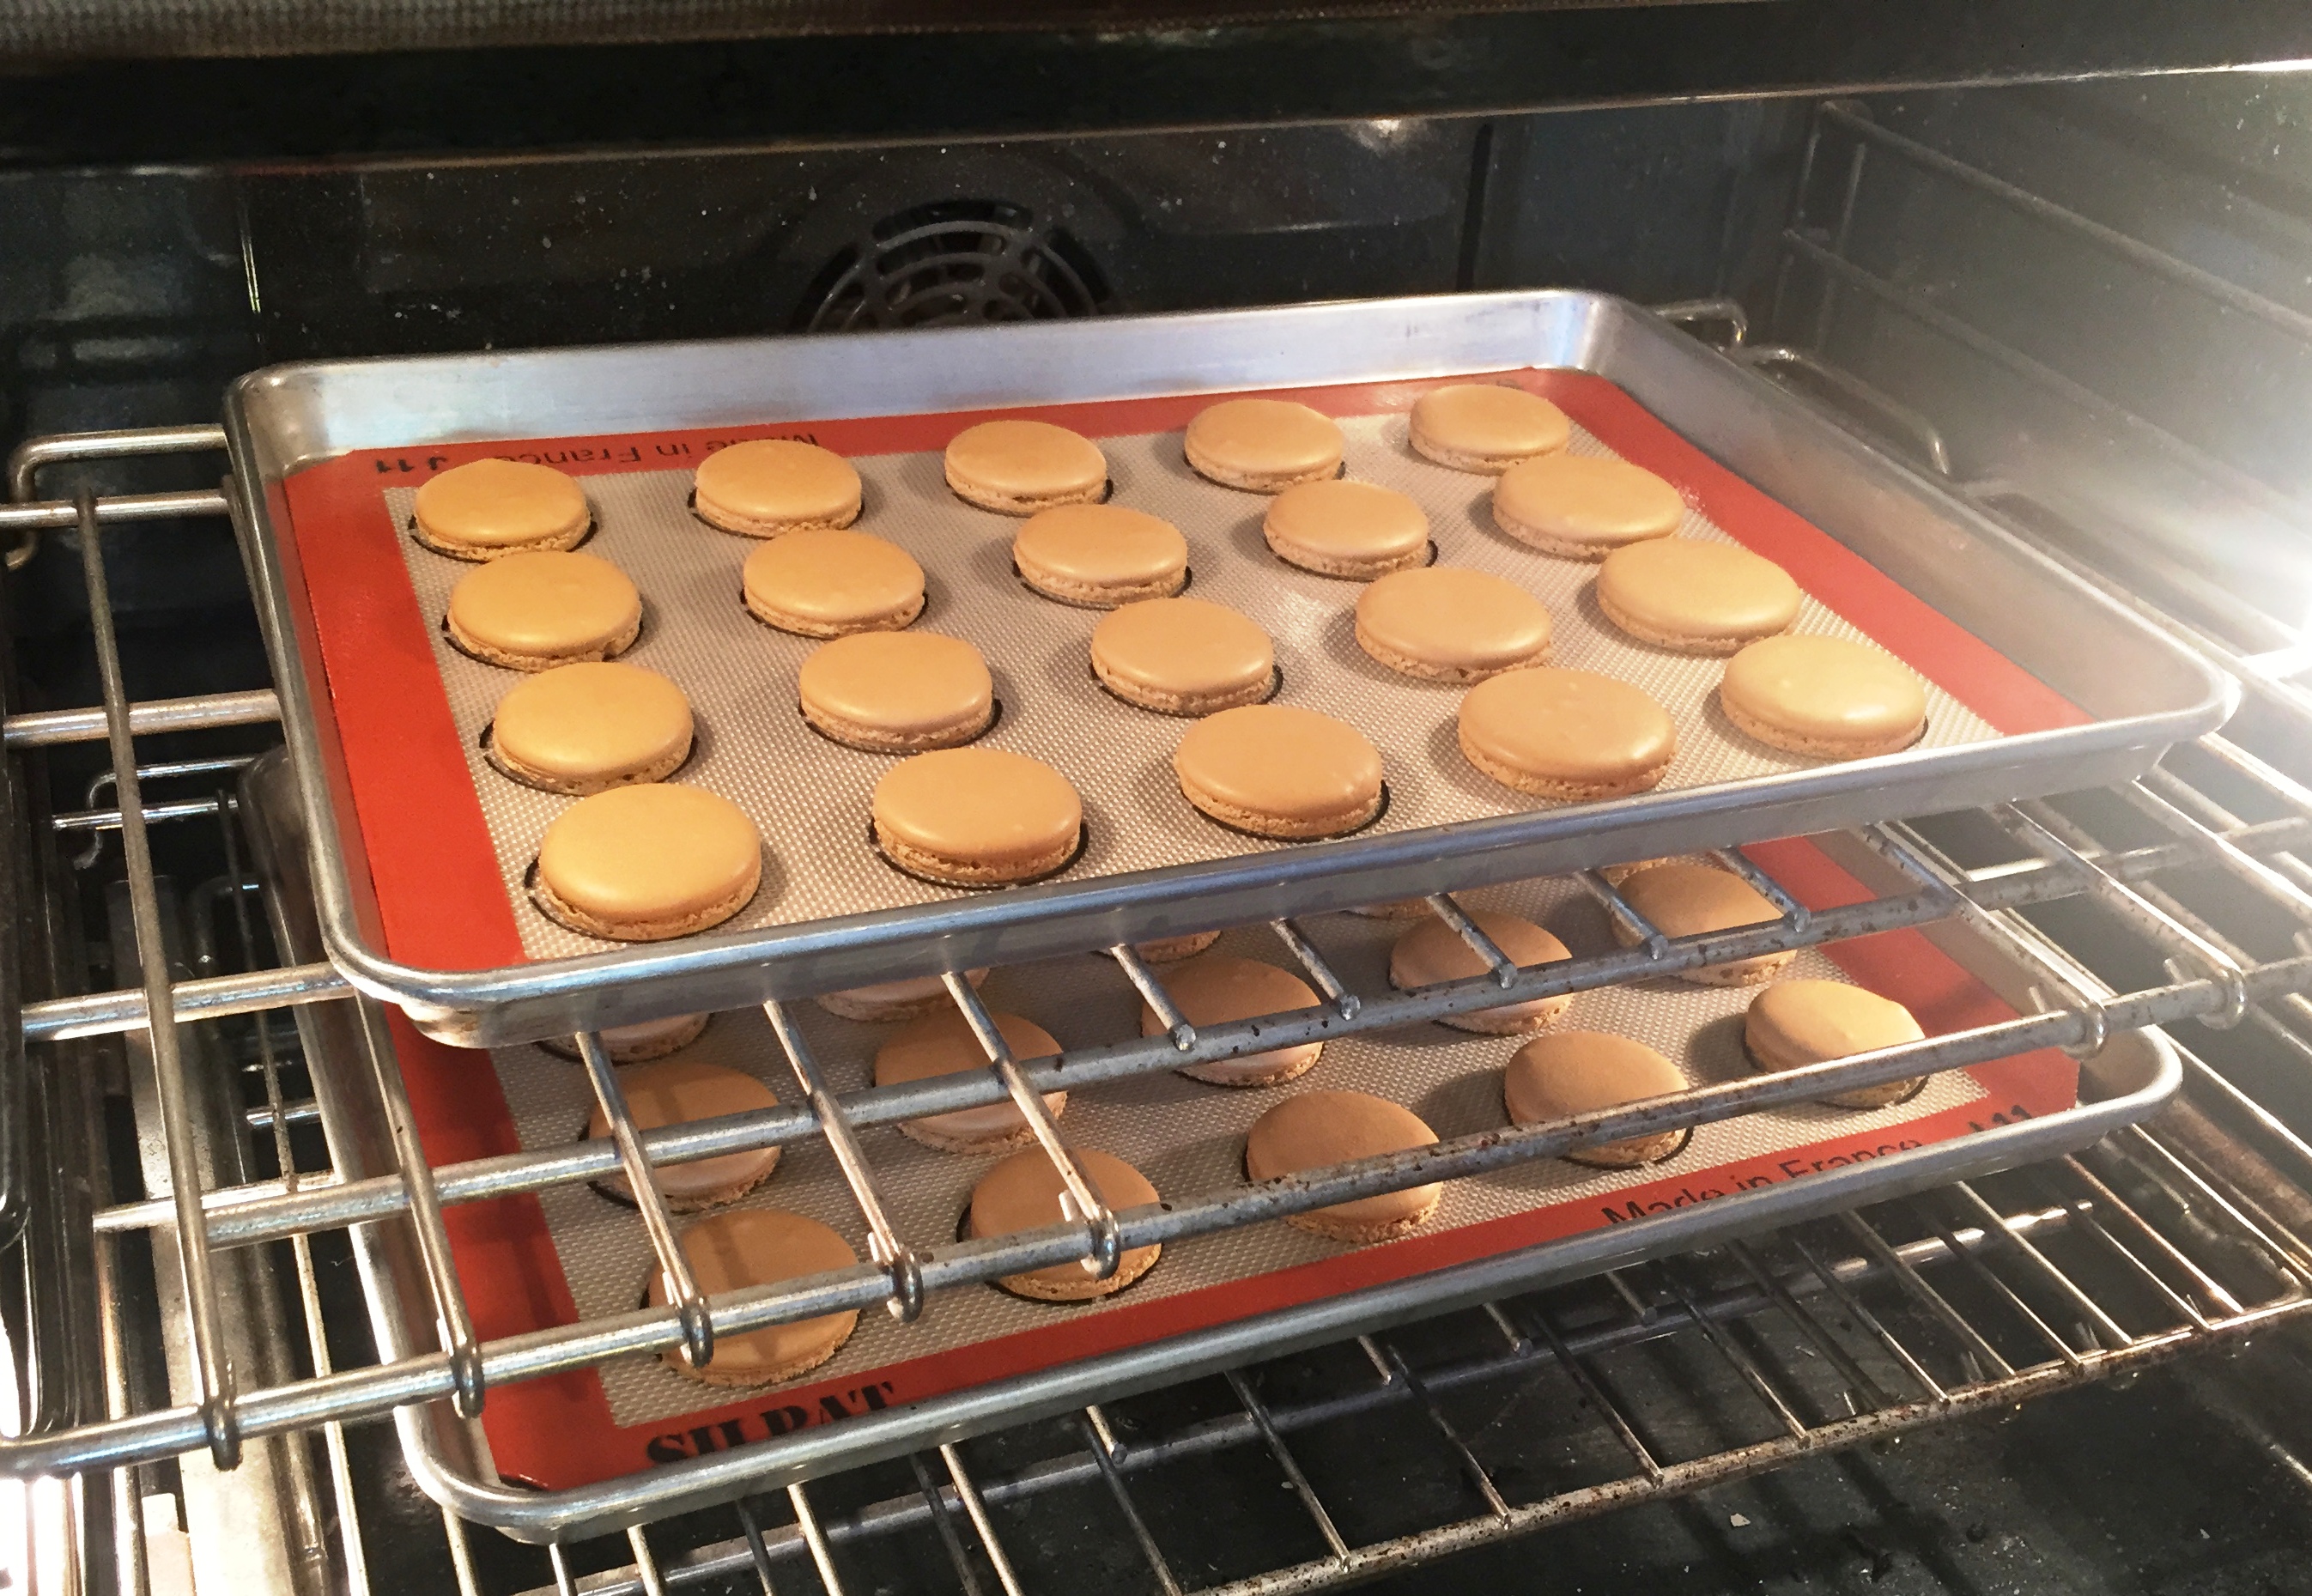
{"points": [[535, 1515]]}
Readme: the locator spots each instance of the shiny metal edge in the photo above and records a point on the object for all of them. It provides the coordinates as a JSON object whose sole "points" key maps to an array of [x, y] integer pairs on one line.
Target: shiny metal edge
{"points": [[2151, 691]]}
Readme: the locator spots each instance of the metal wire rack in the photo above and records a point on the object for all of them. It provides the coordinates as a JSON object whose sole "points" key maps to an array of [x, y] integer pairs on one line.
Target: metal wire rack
{"points": [[1895, 1315]]}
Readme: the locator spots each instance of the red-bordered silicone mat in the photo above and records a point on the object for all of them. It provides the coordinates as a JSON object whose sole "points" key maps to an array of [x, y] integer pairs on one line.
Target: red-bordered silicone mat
{"points": [[528, 1264], [447, 889]]}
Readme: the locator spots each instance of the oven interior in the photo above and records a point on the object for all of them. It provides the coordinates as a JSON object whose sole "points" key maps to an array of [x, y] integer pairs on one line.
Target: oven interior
{"points": [[2085, 307]]}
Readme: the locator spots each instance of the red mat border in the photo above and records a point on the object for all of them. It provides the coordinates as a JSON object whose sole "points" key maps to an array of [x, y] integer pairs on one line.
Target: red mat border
{"points": [[444, 907]]}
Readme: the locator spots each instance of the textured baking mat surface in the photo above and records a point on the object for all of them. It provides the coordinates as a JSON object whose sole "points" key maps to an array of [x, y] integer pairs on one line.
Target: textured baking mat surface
{"points": [[1185, 1136], [809, 796]]}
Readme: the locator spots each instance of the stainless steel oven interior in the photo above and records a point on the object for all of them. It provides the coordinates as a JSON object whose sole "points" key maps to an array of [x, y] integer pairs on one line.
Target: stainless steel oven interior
{"points": [[2082, 311]]}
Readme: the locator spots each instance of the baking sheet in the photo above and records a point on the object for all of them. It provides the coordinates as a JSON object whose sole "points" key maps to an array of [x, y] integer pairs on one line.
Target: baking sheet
{"points": [[411, 887], [809, 796], [1187, 1137]]}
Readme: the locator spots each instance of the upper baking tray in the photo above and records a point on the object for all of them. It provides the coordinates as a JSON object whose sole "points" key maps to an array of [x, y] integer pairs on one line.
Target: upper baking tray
{"points": [[2135, 691]]}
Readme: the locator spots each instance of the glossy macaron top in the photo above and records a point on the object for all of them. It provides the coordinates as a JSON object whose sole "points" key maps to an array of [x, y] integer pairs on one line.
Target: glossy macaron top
{"points": [[765, 486], [487, 508]]}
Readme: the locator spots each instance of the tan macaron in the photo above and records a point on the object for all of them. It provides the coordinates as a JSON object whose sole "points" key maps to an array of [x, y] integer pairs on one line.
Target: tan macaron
{"points": [[1278, 770], [1433, 953], [638, 1043], [1018, 468], [1570, 734], [1696, 596], [1395, 909], [1099, 556], [1025, 1192], [897, 692], [1447, 624], [1581, 1072], [1829, 698], [1263, 445], [488, 509], [678, 1091], [1681, 900], [1794, 1023], [1171, 949], [581, 729], [828, 582], [908, 998], [647, 862], [535, 611], [1583, 507], [1312, 1130], [943, 1044], [1485, 426], [1183, 656], [1355, 530], [770, 486], [746, 1246], [976, 817], [1219, 990]]}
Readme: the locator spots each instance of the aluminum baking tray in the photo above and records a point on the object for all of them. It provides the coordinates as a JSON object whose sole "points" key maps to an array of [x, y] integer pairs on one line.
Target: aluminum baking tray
{"points": [[965, 1366], [2068, 689]]}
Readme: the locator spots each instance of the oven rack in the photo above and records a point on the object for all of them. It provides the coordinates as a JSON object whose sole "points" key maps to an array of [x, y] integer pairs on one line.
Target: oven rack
{"points": [[1956, 1302], [2214, 982]]}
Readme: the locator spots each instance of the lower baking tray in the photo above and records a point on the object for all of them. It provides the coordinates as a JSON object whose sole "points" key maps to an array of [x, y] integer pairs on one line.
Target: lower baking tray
{"points": [[980, 1356], [2039, 683]]}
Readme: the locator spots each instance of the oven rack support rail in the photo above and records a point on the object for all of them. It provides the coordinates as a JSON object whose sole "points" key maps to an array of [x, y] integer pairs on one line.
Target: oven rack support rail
{"points": [[191, 1224]]}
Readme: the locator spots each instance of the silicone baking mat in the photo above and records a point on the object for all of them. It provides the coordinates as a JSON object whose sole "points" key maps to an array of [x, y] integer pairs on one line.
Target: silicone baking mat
{"points": [[573, 1253], [449, 838]]}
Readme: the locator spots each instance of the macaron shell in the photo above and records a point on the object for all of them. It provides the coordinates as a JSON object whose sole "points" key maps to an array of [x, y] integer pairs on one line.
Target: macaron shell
{"points": [[1485, 426], [679, 1091], [1693, 595], [1452, 623], [1681, 900], [1277, 767], [1830, 697], [1315, 1129], [1020, 467], [765, 486], [580, 728], [531, 610], [1584, 505], [1564, 734], [487, 508], [903, 999], [1347, 529], [1570, 1073], [1183, 655], [1798, 1023], [897, 689], [645, 863], [830, 583], [1264, 445], [1432, 951], [1024, 1192], [942, 1043], [1217, 989], [1100, 554], [748, 1247], [979, 807]]}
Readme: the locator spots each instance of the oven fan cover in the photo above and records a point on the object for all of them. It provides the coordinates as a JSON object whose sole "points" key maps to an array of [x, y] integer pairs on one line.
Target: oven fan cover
{"points": [[954, 261]]}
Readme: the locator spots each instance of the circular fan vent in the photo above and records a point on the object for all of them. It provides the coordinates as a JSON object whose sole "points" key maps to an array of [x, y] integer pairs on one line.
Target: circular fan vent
{"points": [[952, 261]]}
